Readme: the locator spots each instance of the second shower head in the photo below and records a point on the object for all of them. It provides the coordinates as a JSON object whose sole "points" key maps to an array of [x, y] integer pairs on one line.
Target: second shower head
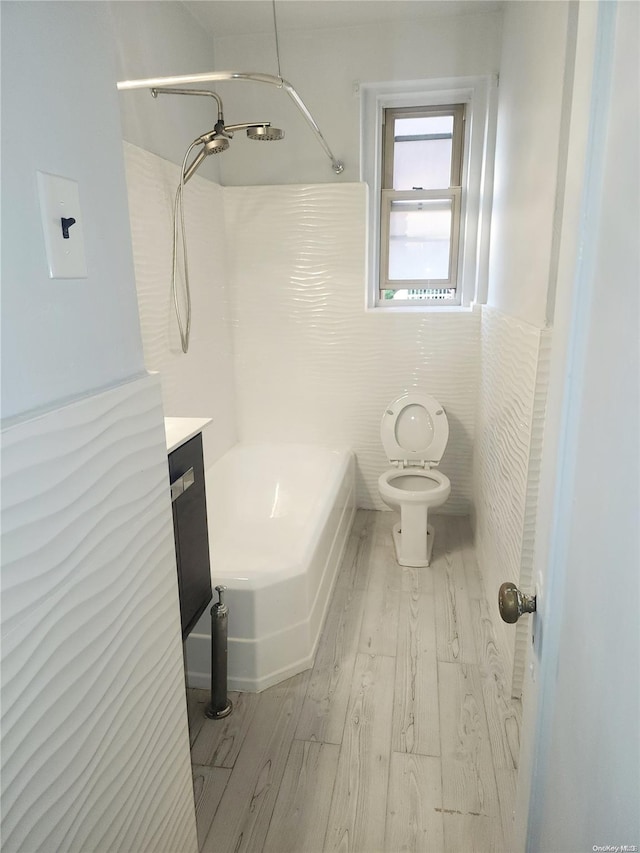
{"points": [[265, 132], [257, 130]]}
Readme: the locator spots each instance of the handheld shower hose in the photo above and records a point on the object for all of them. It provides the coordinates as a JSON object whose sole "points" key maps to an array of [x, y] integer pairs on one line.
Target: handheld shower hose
{"points": [[184, 327]]}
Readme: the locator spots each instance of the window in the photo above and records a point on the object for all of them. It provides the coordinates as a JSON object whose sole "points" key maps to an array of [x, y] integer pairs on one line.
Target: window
{"points": [[427, 157], [420, 203]]}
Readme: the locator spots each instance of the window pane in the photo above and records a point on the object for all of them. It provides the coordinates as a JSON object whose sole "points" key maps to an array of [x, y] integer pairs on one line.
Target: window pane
{"points": [[422, 153], [419, 240], [424, 125]]}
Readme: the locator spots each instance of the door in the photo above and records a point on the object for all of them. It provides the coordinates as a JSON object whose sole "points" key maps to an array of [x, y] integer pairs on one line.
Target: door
{"points": [[579, 774]]}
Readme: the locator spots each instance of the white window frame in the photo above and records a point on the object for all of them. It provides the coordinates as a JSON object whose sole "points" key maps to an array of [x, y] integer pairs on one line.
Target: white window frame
{"points": [[479, 94], [452, 193]]}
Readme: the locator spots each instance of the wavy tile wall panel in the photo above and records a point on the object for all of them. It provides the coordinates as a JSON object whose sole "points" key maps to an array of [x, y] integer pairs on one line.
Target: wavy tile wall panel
{"points": [[200, 383], [311, 364], [538, 416], [509, 424], [95, 745]]}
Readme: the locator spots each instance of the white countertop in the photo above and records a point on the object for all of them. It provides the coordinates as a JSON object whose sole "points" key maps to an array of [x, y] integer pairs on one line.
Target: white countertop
{"points": [[179, 430]]}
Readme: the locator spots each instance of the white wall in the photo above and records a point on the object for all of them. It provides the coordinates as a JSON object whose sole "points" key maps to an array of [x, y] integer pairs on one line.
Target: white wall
{"points": [[527, 158], [94, 728], [154, 38], [324, 66], [62, 338]]}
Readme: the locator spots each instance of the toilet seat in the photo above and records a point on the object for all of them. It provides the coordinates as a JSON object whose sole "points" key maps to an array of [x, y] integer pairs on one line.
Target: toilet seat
{"points": [[433, 491], [414, 431]]}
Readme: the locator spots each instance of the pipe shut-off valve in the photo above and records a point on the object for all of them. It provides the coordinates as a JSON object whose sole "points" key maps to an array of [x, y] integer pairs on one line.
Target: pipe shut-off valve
{"points": [[220, 705]]}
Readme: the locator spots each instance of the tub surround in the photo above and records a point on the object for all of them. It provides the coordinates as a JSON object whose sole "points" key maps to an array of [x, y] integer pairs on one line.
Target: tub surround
{"points": [[279, 518], [202, 380], [281, 344], [310, 360]]}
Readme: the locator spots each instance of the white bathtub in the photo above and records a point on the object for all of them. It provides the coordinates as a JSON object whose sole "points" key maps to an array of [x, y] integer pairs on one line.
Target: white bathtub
{"points": [[279, 518]]}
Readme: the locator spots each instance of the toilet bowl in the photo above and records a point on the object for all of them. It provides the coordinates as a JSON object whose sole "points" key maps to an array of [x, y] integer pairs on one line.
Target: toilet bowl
{"points": [[414, 433]]}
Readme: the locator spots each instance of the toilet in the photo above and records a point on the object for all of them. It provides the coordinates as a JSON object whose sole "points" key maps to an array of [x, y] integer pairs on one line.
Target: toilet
{"points": [[414, 433]]}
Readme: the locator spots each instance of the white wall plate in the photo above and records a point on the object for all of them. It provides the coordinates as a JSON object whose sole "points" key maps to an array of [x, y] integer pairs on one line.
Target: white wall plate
{"points": [[60, 199]]}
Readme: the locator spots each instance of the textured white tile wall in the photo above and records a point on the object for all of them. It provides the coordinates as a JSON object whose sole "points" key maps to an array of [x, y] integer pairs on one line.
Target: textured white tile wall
{"points": [[508, 450], [538, 417], [95, 746], [200, 383], [311, 365]]}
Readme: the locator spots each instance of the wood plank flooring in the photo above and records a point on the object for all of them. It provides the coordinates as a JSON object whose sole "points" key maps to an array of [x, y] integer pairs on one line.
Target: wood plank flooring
{"points": [[401, 738]]}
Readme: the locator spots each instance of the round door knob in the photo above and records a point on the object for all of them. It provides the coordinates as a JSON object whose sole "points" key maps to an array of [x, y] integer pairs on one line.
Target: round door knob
{"points": [[513, 603]]}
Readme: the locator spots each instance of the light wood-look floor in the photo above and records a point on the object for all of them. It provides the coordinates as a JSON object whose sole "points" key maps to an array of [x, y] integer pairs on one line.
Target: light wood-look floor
{"points": [[401, 738]]}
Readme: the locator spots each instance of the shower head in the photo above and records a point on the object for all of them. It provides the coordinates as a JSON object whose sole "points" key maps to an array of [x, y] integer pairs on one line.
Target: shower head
{"points": [[215, 140], [215, 144], [265, 132], [212, 143]]}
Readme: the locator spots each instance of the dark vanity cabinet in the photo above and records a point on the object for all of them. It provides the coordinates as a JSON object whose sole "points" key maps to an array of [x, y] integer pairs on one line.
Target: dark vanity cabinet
{"points": [[189, 504]]}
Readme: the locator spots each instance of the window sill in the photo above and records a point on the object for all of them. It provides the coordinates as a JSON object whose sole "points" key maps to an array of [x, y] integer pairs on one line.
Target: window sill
{"points": [[419, 309]]}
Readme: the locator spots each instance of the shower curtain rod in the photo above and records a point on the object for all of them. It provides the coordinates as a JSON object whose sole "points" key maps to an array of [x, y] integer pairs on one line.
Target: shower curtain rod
{"points": [[256, 77]]}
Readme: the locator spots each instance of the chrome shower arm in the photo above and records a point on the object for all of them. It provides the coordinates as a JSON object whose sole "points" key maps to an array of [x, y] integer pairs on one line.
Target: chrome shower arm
{"points": [[158, 90], [245, 125], [159, 83]]}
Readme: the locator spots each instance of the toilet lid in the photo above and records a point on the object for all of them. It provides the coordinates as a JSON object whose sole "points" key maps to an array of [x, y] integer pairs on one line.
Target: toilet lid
{"points": [[414, 429]]}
